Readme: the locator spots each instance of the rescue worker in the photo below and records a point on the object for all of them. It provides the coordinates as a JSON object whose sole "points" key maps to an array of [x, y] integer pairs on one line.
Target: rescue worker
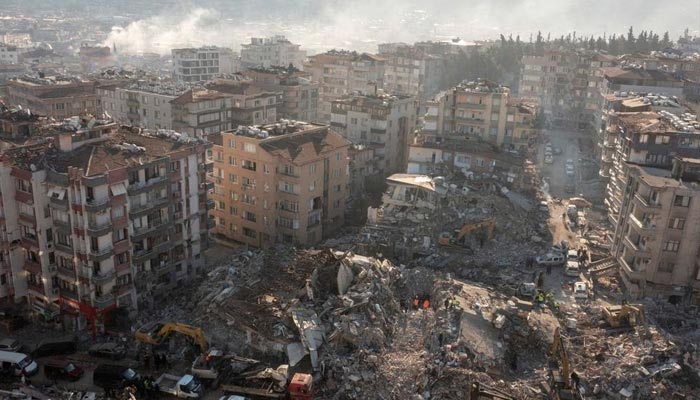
{"points": [[416, 302], [550, 296], [426, 303], [540, 297]]}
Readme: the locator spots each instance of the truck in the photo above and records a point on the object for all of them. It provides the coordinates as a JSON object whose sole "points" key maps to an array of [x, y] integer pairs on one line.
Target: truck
{"points": [[270, 383], [184, 387], [214, 364]]}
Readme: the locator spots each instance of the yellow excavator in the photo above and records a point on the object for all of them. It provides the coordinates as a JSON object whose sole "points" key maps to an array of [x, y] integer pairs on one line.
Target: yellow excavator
{"points": [[156, 332], [624, 316], [457, 238], [564, 381]]}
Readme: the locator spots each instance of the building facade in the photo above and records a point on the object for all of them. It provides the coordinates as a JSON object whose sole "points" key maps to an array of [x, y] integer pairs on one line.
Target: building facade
{"points": [[275, 51], [485, 110], [202, 64], [54, 97], [140, 104], [8, 54], [343, 72], [385, 122], [285, 182], [656, 242], [300, 94], [102, 218]]}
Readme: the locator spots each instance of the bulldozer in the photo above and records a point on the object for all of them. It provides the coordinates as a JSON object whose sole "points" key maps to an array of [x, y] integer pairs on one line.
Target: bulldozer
{"points": [[457, 238], [156, 333], [624, 316], [563, 381]]}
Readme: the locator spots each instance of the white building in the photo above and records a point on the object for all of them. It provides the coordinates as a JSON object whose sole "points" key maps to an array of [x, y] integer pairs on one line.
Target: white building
{"points": [[8, 54], [142, 104], [271, 52], [203, 64]]}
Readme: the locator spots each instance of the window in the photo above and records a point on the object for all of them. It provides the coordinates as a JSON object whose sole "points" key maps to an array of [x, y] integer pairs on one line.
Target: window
{"points": [[247, 215], [120, 234], [249, 147], [291, 206], [337, 156], [23, 186], [122, 258], [248, 182], [287, 187], [221, 205], [672, 245], [266, 168], [663, 139], [233, 211], [248, 199], [312, 168], [314, 219], [666, 267], [681, 201], [336, 204], [676, 223], [249, 233], [249, 165], [232, 178], [337, 188], [175, 166], [231, 144], [232, 160]]}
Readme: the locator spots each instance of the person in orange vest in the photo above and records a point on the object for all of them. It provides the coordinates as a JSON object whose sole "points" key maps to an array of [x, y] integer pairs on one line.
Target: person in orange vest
{"points": [[426, 303], [415, 303]]}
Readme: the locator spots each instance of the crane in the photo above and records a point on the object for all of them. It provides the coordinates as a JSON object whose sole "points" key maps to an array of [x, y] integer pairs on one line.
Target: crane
{"points": [[447, 239], [156, 333], [564, 381]]}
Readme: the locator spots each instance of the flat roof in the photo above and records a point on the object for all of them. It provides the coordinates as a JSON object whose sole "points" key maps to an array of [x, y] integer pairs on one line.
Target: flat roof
{"points": [[423, 181]]}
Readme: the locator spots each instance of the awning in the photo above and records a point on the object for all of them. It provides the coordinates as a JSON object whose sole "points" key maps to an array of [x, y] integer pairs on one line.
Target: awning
{"points": [[117, 189], [57, 193]]}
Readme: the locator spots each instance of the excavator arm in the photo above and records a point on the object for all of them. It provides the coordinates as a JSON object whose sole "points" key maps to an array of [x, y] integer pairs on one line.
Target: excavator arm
{"points": [[156, 333]]}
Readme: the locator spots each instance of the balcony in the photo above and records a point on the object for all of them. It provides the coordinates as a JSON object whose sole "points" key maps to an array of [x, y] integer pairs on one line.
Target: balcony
{"points": [[139, 187], [103, 277], [208, 185], [629, 271], [32, 266], [646, 202], [36, 287], [210, 205], [99, 228], [67, 273], [104, 301], [94, 205], [59, 204], [27, 218], [138, 232], [473, 106], [69, 294], [140, 255], [64, 248], [647, 225], [100, 254], [30, 242]]}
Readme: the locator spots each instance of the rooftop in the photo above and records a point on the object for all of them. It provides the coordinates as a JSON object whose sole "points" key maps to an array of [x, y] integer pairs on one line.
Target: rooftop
{"points": [[659, 122], [637, 73], [195, 95], [660, 178], [473, 146], [381, 99], [423, 181], [481, 86], [57, 80]]}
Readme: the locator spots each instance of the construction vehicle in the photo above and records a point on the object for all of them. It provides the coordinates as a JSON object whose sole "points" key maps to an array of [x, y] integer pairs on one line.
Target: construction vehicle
{"points": [[563, 381], [477, 391], [214, 364], [270, 383], [457, 238], [625, 316], [157, 332]]}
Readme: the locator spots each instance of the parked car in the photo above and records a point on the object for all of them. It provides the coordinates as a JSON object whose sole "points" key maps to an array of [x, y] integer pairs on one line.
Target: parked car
{"points": [[580, 290], [570, 171], [551, 259], [55, 347], [548, 159], [10, 345], [62, 369], [570, 162], [17, 364], [572, 255], [113, 376], [113, 351], [571, 268]]}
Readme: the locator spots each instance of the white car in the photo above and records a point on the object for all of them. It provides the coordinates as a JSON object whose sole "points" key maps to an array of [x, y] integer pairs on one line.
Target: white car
{"points": [[548, 159], [580, 290], [572, 255], [570, 162], [551, 259], [571, 268]]}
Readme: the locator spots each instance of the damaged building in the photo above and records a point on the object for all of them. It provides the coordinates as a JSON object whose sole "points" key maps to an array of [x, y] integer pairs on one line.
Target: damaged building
{"points": [[101, 218]]}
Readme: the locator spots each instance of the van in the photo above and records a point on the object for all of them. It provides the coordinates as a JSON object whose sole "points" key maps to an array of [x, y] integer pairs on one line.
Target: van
{"points": [[112, 376], [17, 364], [571, 268], [55, 347], [551, 259]]}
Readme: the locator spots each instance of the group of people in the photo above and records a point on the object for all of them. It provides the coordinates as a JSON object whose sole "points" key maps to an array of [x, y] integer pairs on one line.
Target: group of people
{"points": [[159, 361], [420, 302], [541, 298]]}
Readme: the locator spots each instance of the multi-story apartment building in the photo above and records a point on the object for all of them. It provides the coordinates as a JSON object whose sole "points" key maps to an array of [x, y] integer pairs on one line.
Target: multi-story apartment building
{"points": [[251, 103], [629, 78], [202, 64], [385, 122], [482, 109], [100, 218], [566, 85], [275, 51], [201, 112], [8, 54], [343, 72], [285, 182], [143, 104], [656, 240], [299, 93], [411, 71], [682, 65], [55, 97], [16, 124], [645, 138]]}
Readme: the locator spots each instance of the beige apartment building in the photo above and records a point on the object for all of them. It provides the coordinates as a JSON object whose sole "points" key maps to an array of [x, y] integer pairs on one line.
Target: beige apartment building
{"points": [[143, 104], [285, 182], [484, 110], [343, 72], [656, 242], [384, 122], [53, 96]]}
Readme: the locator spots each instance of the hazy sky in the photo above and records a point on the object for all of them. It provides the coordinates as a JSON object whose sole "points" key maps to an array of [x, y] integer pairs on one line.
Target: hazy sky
{"points": [[361, 24]]}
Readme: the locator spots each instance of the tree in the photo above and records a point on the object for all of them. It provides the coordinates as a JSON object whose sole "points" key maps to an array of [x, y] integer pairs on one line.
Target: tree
{"points": [[629, 43], [666, 41]]}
